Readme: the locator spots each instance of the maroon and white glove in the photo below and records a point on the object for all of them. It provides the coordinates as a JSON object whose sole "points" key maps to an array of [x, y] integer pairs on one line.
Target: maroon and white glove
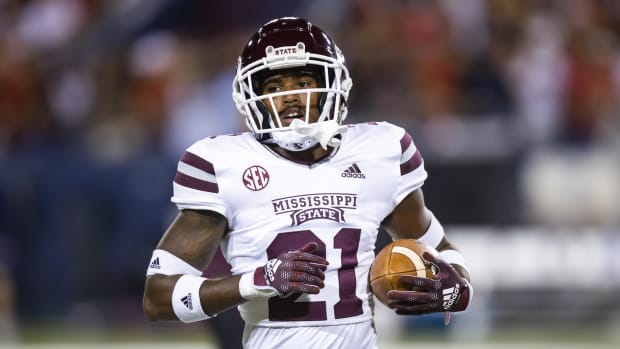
{"points": [[298, 271], [446, 292]]}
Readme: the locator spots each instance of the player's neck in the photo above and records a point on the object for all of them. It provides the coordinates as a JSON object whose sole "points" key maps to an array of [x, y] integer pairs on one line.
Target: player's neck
{"points": [[307, 156]]}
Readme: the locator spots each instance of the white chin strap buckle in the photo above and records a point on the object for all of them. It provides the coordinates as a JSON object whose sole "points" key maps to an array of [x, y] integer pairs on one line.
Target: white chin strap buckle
{"points": [[325, 132]]}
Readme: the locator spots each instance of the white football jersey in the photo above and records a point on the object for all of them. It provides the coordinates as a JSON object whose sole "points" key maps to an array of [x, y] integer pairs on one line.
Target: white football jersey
{"points": [[274, 205]]}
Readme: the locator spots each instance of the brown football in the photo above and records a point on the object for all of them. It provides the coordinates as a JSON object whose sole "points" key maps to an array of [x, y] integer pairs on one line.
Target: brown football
{"points": [[400, 257]]}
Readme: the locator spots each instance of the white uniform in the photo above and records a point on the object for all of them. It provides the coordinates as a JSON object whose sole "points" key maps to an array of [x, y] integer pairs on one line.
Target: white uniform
{"points": [[274, 205]]}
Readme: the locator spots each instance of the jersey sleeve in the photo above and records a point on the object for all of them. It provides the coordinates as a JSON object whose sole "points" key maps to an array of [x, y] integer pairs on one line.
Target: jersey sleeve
{"points": [[195, 184], [412, 171]]}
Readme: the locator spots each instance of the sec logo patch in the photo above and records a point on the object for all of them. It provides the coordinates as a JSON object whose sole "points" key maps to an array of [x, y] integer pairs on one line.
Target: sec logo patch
{"points": [[255, 178]]}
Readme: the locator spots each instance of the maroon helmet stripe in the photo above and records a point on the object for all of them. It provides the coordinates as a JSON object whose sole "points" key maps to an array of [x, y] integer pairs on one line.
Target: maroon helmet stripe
{"points": [[195, 183], [198, 162], [411, 164], [405, 142]]}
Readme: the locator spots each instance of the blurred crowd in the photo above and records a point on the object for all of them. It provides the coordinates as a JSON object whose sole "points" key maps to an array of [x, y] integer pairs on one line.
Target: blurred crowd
{"points": [[514, 105]]}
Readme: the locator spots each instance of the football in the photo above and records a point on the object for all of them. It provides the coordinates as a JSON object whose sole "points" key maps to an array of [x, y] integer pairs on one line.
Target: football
{"points": [[400, 257]]}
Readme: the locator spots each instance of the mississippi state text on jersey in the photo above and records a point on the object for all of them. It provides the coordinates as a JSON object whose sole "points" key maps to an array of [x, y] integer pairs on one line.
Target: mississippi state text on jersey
{"points": [[274, 205]]}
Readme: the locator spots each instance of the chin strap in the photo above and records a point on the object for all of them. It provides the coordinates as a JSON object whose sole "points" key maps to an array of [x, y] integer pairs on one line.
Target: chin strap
{"points": [[325, 132]]}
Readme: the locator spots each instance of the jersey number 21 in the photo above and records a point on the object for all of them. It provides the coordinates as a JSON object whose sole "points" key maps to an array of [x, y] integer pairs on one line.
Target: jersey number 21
{"points": [[287, 309]]}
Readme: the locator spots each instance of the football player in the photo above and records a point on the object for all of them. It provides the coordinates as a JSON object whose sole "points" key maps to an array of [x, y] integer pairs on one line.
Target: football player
{"points": [[296, 206]]}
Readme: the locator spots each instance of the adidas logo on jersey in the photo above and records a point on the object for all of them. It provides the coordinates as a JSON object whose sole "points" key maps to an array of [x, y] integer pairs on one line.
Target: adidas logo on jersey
{"points": [[450, 296], [187, 300], [353, 172], [155, 264]]}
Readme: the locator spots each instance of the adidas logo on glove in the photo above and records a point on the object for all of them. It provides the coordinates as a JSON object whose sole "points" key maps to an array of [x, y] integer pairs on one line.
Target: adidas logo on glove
{"points": [[270, 269], [450, 295]]}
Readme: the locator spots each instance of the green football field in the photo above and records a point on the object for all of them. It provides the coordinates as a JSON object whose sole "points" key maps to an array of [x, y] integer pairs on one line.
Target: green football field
{"points": [[196, 339], [382, 345]]}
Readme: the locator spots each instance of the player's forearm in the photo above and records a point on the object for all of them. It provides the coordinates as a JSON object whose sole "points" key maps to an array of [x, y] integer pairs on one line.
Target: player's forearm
{"points": [[156, 302], [216, 295], [219, 295]]}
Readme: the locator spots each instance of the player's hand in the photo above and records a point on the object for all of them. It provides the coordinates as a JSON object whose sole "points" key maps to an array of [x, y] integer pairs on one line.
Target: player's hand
{"points": [[446, 292], [298, 271]]}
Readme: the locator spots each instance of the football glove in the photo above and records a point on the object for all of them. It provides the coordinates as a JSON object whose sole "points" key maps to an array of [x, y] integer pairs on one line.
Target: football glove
{"points": [[446, 292], [298, 271]]}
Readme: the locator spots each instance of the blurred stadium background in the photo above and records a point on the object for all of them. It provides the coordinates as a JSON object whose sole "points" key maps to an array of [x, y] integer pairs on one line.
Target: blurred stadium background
{"points": [[514, 104]]}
